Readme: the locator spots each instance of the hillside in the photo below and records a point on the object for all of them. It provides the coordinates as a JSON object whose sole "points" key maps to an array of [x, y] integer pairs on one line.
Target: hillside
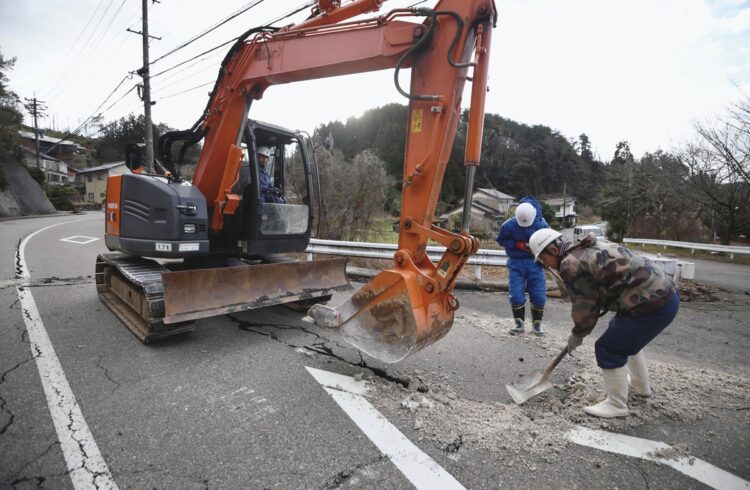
{"points": [[23, 196]]}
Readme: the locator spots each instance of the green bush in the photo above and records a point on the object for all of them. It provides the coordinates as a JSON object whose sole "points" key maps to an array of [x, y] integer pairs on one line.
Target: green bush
{"points": [[61, 197]]}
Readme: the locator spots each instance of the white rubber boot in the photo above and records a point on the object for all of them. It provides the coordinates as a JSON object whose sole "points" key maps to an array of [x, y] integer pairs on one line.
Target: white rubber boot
{"points": [[638, 378], [616, 387]]}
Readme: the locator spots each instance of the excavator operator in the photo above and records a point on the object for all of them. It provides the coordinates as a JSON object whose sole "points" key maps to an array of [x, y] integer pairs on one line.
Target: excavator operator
{"points": [[267, 190]]}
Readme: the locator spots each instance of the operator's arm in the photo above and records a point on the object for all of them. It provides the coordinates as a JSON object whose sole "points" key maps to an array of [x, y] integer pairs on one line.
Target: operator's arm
{"points": [[583, 295]]}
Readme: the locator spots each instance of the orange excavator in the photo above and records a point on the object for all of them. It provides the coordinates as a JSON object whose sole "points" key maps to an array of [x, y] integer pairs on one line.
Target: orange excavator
{"points": [[219, 238]]}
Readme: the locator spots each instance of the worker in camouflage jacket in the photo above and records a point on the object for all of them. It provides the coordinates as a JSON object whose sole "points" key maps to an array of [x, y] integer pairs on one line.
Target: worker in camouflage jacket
{"points": [[601, 277]]}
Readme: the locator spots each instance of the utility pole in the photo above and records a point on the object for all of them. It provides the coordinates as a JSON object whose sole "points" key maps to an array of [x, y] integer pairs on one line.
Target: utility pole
{"points": [[565, 204], [36, 108], [144, 72]]}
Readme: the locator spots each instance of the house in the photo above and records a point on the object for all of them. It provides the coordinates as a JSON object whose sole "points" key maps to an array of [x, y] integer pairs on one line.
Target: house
{"points": [[55, 171], [565, 209], [50, 144], [94, 180], [488, 208]]}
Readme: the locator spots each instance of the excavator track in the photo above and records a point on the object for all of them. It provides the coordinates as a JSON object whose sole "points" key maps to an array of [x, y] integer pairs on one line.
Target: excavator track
{"points": [[133, 289], [157, 301]]}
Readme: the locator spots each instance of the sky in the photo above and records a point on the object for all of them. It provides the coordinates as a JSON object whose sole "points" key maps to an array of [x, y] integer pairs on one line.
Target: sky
{"points": [[642, 70]]}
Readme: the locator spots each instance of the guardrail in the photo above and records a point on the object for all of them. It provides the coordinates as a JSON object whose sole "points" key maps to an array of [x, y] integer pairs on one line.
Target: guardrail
{"points": [[730, 249], [370, 250]]}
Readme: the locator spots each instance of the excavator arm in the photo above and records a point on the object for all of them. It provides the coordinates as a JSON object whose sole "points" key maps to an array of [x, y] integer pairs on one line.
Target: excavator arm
{"points": [[410, 305]]}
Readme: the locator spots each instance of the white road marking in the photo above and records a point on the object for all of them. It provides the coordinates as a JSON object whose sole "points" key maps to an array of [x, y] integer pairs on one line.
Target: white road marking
{"points": [[636, 447], [79, 239], [420, 469], [86, 467]]}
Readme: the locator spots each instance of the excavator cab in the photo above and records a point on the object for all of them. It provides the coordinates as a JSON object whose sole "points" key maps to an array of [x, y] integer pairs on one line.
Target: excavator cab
{"points": [[275, 184]]}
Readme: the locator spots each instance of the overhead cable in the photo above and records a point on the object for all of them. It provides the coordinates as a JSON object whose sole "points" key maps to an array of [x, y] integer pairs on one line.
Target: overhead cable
{"points": [[210, 29]]}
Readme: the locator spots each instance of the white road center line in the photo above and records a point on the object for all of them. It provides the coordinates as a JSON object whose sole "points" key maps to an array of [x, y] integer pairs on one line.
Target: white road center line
{"points": [[86, 466], [636, 447], [420, 469]]}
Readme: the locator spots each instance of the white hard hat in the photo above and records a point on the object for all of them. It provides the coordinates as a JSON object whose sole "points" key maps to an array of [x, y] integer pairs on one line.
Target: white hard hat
{"points": [[265, 151], [525, 214], [541, 238]]}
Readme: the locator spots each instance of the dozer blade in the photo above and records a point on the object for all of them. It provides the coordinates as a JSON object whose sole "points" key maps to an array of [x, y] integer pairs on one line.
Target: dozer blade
{"points": [[387, 319], [199, 293]]}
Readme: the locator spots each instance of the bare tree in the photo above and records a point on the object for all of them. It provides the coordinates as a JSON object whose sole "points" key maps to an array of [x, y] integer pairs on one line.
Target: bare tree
{"points": [[719, 165], [354, 193]]}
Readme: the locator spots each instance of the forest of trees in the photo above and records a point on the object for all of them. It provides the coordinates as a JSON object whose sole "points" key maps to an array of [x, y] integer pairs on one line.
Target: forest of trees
{"points": [[697, 192]]}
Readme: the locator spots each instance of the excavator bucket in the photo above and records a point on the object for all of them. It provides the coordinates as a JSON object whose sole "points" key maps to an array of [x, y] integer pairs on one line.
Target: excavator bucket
{"points": [[387, 318]]}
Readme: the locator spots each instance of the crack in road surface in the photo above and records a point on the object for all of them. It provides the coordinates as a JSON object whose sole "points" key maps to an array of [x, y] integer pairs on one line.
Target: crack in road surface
{"points": [[319, 346], [106, 373], [3, 402], [44, 282], [346, 476]]}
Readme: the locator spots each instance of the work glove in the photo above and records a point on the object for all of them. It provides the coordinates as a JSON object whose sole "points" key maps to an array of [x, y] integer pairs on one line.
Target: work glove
{"points": [[522, 246], [574, 341]]}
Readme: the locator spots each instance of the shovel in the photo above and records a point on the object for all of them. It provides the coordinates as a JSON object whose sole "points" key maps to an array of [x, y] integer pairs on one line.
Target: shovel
{"points": [[532, 384]]}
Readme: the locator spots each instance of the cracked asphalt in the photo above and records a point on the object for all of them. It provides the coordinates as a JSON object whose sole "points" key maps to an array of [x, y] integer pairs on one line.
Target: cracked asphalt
{"points": [[231, 405]]}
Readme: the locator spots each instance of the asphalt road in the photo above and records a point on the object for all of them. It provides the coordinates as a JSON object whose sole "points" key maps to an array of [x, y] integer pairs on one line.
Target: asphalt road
{"points": [[233, 406]]}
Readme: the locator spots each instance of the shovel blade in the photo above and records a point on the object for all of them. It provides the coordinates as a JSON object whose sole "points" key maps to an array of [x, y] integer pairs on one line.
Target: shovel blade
{"points": [[388, 318], [528, 387], [200, 293]]}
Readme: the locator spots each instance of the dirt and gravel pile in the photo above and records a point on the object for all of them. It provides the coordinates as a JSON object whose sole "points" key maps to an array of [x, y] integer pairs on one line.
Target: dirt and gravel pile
{"points": [[693, 291], [438, 412], [678, 451]]}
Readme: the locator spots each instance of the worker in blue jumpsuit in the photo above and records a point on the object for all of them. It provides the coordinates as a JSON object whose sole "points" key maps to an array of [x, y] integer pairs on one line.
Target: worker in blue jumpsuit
{"points": [[525, 274]]}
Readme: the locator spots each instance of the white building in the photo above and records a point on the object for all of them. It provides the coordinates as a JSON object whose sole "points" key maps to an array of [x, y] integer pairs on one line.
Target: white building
{"points": [[565, 209]]}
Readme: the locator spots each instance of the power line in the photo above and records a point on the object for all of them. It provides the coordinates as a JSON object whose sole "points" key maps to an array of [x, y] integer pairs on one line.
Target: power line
{"points": [[104, 32], [181, 70], [121, 97], [80, 33], [88, 119], [54, 92], [231, 16], [186, 77], [188, 90], [194, 57], [278, 19]]}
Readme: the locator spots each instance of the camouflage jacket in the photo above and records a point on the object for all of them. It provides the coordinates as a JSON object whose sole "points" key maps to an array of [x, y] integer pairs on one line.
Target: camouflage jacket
{"points": [[604, 276]]}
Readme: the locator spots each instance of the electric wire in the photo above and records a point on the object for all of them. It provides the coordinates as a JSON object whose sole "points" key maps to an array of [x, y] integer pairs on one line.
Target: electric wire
{"points": [[93, 114], [184, 78], [54, 92], [70, 49], [194, 57], [98, 42], [184, 91], [270, 23], [231, 16]]}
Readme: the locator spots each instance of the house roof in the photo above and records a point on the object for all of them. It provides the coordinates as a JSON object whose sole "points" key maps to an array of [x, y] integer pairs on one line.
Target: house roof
{"points": [[47, 139], [101, 168], [557, 201], [477, 206], [497, 194]]}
